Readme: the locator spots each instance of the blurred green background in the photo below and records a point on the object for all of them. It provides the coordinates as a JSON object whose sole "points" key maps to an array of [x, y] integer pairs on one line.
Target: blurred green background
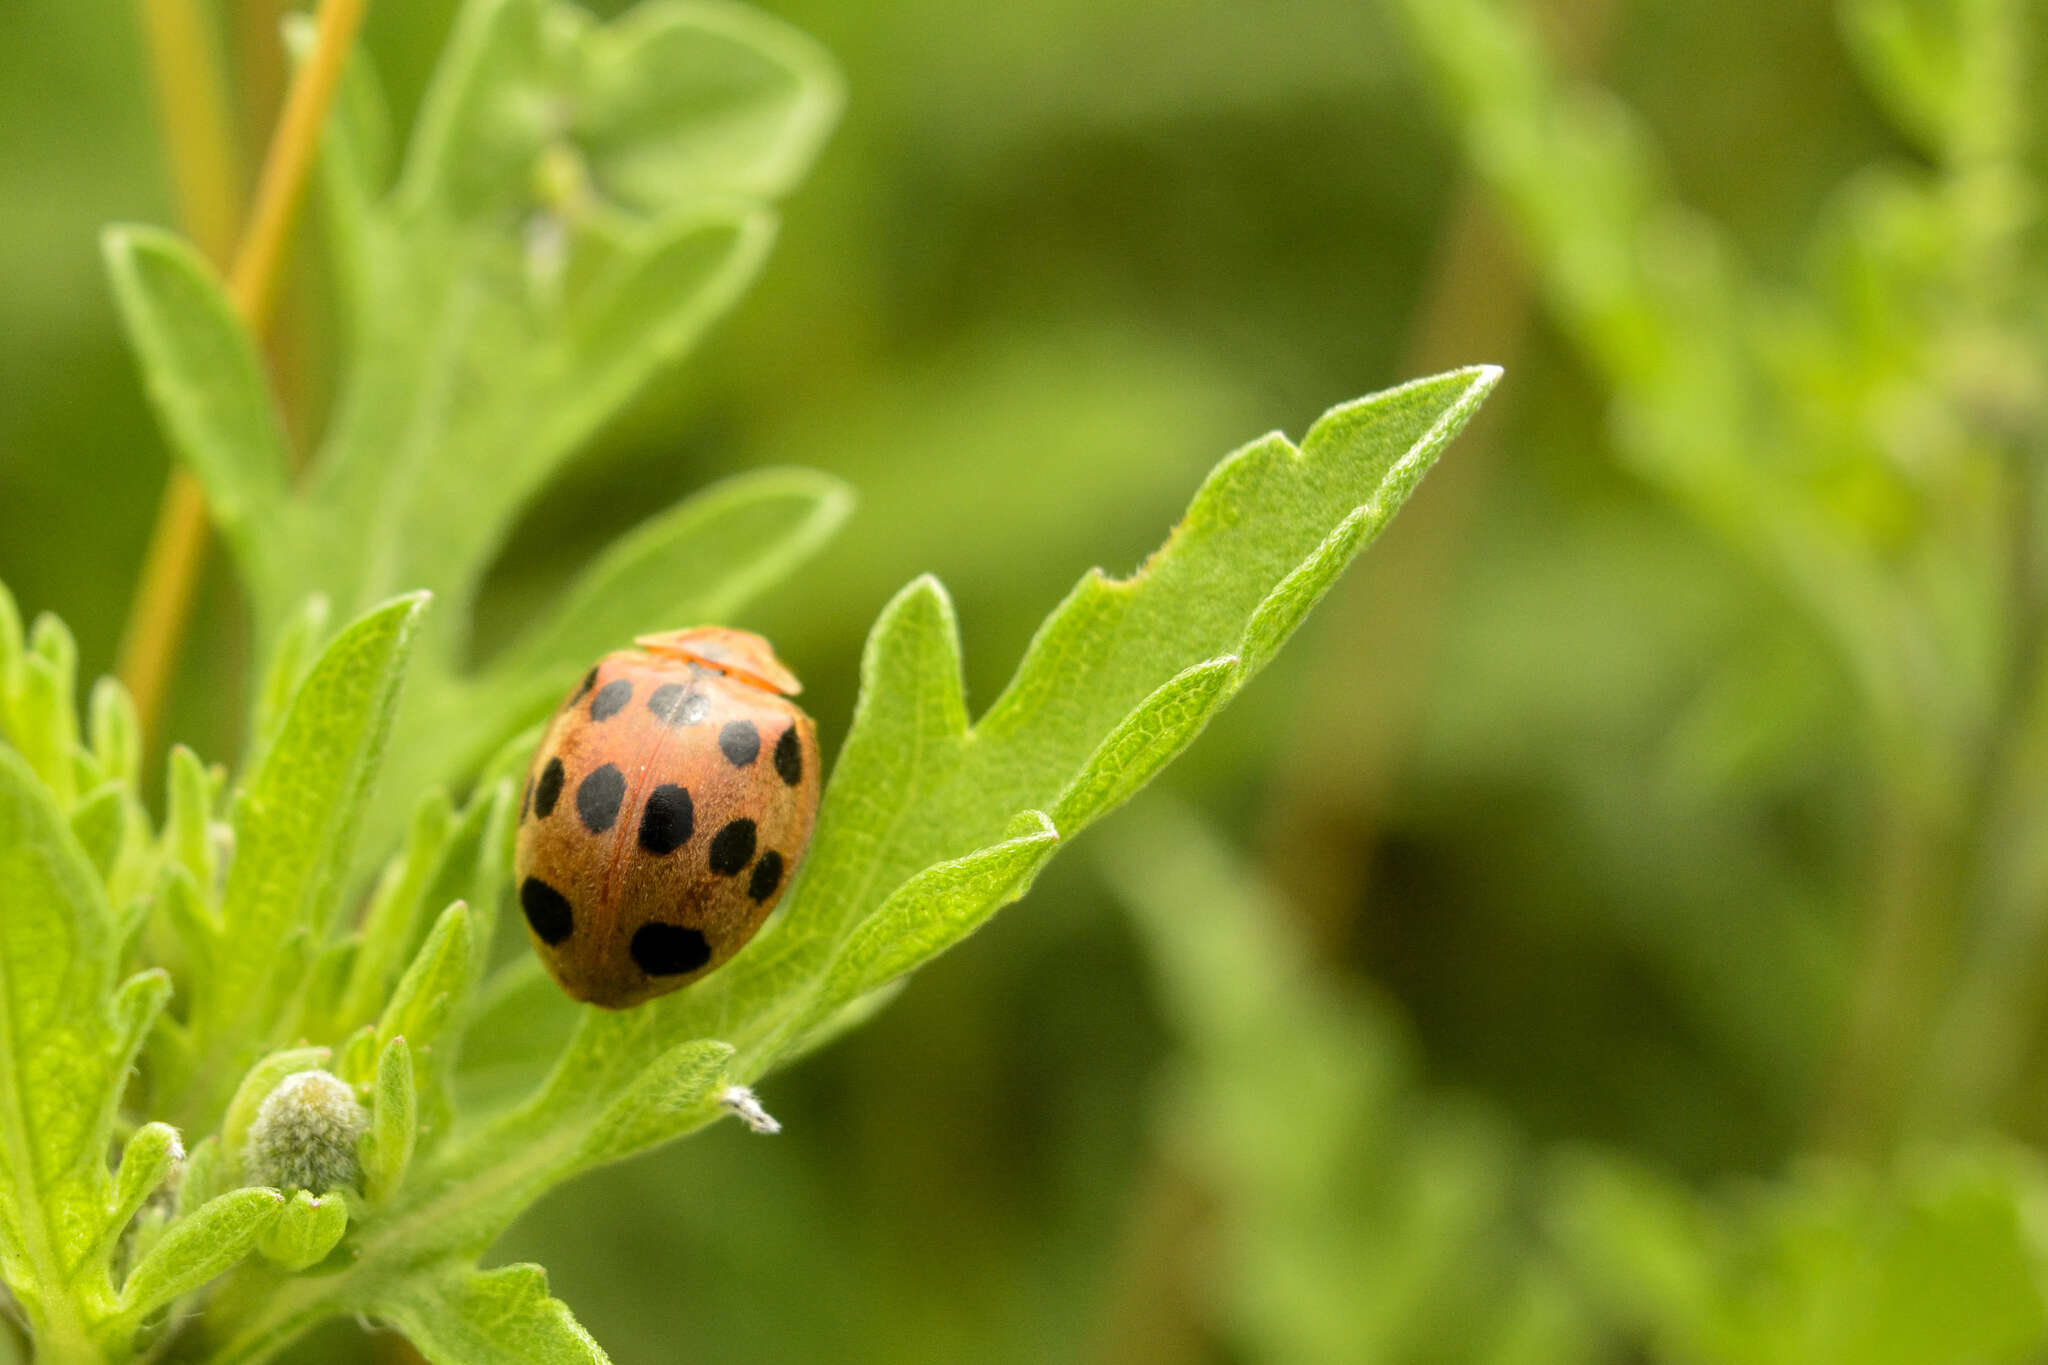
{"points": [[1610, 933]]}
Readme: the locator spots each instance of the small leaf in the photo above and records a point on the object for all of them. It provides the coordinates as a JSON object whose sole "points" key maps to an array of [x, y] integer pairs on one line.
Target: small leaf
{"points": [[357, 1056], [696, 562], [205, 382], [694, 99], [116, 733], [434, 985], [188, 819], [386, 1147], [42, 719], [297, 645], [100, 824], [146, 1161], [185, 910], [933, 911], [652, 303], [497, 1317], [305, 1230], [677, 1093], [1146, 740], [196, 1248], [391, 923], [293, 830], [207, 1176]]}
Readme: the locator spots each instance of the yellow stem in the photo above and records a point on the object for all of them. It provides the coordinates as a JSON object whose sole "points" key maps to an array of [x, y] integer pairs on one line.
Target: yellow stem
{"points": [[191, 95], [191, 102]]}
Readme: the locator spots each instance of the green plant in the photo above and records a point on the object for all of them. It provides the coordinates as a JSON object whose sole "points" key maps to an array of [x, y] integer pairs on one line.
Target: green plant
{"points": [[565, 224], [1868, 434]]}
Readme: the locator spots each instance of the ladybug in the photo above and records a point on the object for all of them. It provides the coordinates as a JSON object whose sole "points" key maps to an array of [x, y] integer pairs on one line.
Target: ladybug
{"points": [[668, 805]]}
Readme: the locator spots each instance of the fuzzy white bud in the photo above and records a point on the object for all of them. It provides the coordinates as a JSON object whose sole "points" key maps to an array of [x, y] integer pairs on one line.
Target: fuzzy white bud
{"points": [[304, 1136]]}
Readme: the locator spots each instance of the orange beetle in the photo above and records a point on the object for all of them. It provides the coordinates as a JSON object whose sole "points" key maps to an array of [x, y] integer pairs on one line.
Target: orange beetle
{"points": [[668, 805]]}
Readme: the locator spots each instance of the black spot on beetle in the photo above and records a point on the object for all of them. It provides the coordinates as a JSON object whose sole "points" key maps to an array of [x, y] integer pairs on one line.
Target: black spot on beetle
{"points": [[668, 949], [740, 742], [598, 797], [547, 910], [732, 848], [667, 820], [767, 876], [611, 699], [548, 790], [582, 688], [789, 757], [678, 705]]}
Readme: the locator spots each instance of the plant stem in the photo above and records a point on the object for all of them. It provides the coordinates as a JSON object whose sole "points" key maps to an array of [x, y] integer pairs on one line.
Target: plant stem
{"points": [[201, 158]]}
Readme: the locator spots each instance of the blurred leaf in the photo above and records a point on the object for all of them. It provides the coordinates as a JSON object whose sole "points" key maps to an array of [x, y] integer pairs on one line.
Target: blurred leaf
{"points": [[205, 381], [1938, 1261], [1361, 1220], [579, 203]]}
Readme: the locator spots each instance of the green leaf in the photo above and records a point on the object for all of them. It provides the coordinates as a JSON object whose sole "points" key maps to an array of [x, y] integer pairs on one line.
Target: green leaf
{"points": [[387, 1145], [1360, 1214], [698, 562], [1117, 680], [704, 99], [433, 987], [297, 645], [147, 1160], [40, 716], [294, 826], [100, 824], [936, 909], [1146, 741], [305, 1230], [188, 836], [116, 733], [208, 1174], [1937, 1260], [391, 924], [205, 381], [62, 1056], [193, 1250], [496, 1317], [674, 1095]]}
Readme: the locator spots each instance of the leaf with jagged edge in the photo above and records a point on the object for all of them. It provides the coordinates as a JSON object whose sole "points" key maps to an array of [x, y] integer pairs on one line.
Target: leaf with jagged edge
{"points": [[928, 825], [63, 1055], [1117, 680], [488, 1317]]}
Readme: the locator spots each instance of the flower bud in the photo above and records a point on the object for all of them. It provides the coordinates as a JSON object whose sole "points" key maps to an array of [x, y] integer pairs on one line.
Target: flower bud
{"points": [[304, 1136]]}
